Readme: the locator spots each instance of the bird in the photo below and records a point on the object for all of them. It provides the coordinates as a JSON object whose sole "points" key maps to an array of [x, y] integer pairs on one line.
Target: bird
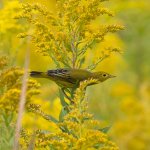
{"points": [[70, 78]]}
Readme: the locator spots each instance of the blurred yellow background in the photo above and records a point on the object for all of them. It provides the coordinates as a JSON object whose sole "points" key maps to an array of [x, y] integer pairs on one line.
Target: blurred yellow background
{"points": [[124, 102]]}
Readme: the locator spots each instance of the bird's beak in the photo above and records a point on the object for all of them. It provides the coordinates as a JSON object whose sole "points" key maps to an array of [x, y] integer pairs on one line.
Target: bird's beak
{"points": [[112, 76]]}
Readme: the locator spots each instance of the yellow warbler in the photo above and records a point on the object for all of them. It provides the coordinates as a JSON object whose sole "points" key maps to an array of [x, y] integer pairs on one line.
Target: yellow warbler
{"points": [[69, 78]]}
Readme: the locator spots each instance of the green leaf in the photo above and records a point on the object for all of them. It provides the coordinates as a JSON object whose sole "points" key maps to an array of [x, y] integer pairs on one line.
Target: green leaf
{"points": [[105, 130], [55, 61], [62, 100], [81, 61], [7, 118], [50, 118], [98, 145], [45, 131], [94, 65], [63, 113]]}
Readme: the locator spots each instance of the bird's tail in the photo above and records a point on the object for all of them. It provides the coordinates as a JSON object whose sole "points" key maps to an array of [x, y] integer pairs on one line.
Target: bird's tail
{"points": [[37, 74]]}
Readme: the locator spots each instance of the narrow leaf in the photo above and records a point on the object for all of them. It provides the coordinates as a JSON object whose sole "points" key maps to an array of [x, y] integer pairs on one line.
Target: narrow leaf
{"points": [[62, 114], [50, 118], [62, 99], [105, 130]]}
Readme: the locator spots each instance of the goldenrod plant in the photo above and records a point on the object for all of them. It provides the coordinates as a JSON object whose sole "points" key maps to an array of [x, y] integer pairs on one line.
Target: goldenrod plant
{"points": [[65, 36], [76, 128]]}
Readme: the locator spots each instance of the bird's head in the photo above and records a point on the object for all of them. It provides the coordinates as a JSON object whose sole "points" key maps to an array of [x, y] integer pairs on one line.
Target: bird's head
{"points": [[102, 76]]}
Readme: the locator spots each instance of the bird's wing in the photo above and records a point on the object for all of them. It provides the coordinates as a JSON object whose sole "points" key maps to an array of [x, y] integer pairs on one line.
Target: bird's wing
{"points": [[61, 74], [70, 75], [58, 73]]}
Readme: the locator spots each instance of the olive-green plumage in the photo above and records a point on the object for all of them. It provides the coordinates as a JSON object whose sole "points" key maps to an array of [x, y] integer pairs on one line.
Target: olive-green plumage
{"points": [[69, 78]]}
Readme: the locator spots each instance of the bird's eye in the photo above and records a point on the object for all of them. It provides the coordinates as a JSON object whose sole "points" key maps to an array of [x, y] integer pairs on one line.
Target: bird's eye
{"points": [[104, 75]]}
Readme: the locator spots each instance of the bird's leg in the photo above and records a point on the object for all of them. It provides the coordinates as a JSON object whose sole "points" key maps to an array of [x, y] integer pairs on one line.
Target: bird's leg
{"points": [[72, 92], [63, 90], [74, 89]]}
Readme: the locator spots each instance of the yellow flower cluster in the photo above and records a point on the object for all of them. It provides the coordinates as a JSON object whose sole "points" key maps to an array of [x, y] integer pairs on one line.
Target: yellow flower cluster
{"points": [[9, 77], [82, 10], [76, 128], [10, 87], [37, 110], [65, 36]]}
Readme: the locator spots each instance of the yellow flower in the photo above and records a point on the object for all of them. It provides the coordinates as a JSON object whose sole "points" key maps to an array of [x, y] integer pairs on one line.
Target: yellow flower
{"points": [[10, 76], [55, 34]]}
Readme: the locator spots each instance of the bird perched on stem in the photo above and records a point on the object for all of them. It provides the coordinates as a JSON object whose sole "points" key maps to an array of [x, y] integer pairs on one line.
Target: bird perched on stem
{"points": [[69, 78]]}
